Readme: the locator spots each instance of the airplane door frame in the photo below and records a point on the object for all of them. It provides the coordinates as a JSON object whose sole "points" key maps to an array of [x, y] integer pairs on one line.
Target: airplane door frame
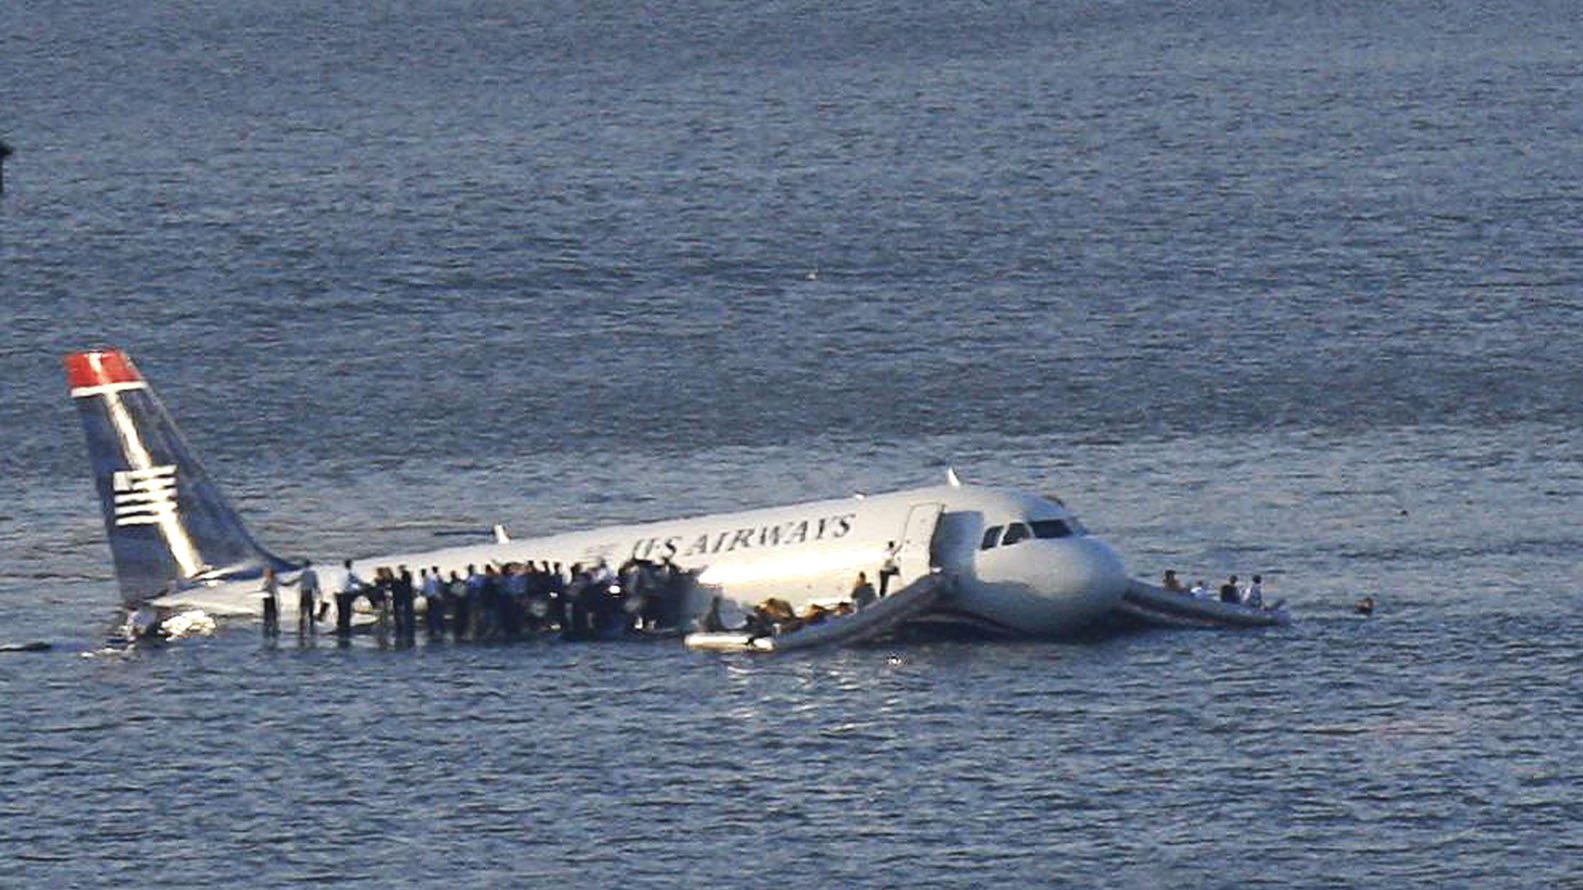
{"points": [[914, 553]]}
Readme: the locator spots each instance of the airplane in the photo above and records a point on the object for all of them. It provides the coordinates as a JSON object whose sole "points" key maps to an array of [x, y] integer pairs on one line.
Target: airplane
{"points": [[1018, 564]]}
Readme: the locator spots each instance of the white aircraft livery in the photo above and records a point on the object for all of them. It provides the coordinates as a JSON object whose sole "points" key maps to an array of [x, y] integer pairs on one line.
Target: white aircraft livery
{"points": [[1016, 563]]}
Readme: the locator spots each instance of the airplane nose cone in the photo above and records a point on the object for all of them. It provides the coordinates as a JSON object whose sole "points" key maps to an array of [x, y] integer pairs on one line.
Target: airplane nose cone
{"points": [[1047, 587], [1097, 573]]}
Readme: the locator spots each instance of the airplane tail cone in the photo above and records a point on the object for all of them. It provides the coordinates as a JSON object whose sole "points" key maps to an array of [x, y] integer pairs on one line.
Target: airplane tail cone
{"points": [[168, 524]]}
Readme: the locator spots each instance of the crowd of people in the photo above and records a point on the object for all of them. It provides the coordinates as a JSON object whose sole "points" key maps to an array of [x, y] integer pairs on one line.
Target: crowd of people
{"points": [[492, 602], [776, 616], [1230, 592]]}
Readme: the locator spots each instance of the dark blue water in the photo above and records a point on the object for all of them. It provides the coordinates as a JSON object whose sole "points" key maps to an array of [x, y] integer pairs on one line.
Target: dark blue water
{"points": [[1255, 287]]}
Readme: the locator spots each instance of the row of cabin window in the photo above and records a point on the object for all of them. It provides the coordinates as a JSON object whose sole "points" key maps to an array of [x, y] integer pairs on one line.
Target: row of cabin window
{"points": [[1017, 531]]}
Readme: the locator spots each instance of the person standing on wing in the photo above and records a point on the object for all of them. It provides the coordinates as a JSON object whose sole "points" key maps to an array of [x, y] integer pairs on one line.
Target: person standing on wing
{"points": [[271, 590], [351, 586], [307, 600], [433, 601]]}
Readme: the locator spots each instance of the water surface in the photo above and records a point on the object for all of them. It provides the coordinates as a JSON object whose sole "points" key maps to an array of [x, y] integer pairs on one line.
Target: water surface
{"points": [[1254, 287]]}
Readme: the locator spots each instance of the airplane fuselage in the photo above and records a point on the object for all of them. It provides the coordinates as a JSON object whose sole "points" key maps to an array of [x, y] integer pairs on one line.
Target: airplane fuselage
{"points": [[813, 552], [1014, 561]]}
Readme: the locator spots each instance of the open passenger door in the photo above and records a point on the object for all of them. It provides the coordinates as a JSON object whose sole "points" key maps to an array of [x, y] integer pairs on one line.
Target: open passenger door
{"points": [[914, 554]]}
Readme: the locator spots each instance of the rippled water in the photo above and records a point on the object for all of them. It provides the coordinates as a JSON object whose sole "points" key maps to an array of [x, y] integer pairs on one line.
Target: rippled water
{"points": [[1254, 287]]}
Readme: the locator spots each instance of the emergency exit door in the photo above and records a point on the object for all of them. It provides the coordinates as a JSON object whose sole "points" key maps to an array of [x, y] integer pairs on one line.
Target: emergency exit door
{"points": [[914, 552]]}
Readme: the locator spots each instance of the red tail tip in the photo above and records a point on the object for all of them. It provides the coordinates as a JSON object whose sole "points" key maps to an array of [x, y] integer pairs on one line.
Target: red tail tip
{"points": [[100, 368]]}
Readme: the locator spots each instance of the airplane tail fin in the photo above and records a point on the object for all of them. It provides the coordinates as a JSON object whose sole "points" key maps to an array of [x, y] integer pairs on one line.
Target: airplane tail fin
{"points": [[168, 524]]}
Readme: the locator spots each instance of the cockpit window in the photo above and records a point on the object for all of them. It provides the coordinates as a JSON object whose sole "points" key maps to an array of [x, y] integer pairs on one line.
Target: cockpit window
{"points": [[991, 535], [1050, 528], [1039, 528]]}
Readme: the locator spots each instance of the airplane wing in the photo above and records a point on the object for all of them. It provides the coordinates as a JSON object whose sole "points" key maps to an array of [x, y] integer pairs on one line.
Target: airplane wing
{"points": [[225, 600]]}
